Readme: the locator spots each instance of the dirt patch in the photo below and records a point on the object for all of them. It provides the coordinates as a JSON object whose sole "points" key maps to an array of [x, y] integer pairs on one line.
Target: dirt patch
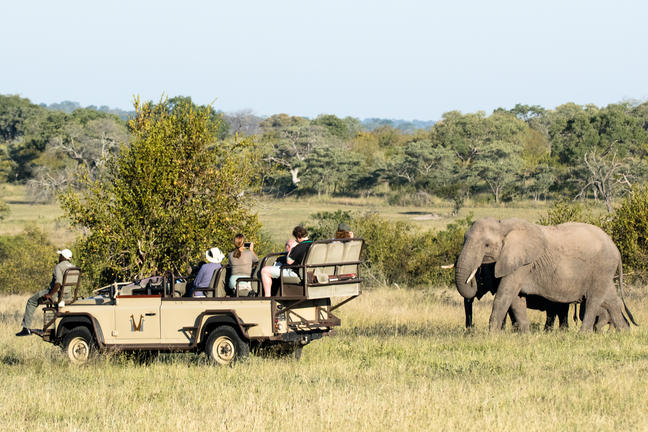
{"points": [[427, 216]]}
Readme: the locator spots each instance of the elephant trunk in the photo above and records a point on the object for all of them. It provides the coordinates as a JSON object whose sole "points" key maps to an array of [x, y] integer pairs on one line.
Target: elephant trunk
{"points": [[467, 265]]}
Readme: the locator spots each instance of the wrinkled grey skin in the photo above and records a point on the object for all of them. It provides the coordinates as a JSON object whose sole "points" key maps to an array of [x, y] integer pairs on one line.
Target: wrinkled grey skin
{"points": [[487, 282], [563, 264]]}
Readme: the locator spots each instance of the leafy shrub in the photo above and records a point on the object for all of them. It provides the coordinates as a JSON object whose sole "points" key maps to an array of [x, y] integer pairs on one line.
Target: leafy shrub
{"points": [[326, 223], [629, 230], [433, 250], [568, 211], [27, 262], [387, 247]]}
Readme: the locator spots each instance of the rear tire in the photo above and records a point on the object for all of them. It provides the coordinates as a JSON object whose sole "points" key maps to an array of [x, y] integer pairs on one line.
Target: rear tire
{"points": [[224, 346], [78, 345]]}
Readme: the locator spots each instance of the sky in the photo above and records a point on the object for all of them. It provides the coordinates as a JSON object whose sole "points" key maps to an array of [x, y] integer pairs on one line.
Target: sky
{"points": [[400, 59]]}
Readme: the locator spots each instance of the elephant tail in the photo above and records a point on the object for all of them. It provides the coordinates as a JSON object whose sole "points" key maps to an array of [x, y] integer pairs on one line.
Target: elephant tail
{"points": [[622, 297]]}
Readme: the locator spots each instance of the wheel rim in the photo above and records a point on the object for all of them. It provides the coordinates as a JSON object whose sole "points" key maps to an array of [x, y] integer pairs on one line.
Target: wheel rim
{"points": [[78, 350], [224, 350]]}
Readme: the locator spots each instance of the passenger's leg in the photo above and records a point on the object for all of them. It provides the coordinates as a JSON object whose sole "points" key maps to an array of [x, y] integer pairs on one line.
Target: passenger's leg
{"points": [[266, 279], [31, 306]]}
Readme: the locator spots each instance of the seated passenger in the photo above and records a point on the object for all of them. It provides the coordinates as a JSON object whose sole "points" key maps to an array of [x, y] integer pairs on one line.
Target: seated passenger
{"points": [[295, 257], [343, 231], [241, 260], [281, 260], [214, 257]]}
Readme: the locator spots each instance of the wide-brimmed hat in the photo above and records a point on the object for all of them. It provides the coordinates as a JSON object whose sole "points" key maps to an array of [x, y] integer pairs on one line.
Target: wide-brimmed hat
{"points": [[65, 253], [214, 255]]}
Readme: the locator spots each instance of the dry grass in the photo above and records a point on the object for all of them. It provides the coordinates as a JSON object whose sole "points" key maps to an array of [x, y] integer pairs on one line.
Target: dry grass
{"points": [[47, 217], [401, 361]]}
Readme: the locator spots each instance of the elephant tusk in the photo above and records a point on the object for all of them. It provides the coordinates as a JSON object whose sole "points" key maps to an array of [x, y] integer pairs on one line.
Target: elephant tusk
{"points": [[472, 275], [447, 266]]}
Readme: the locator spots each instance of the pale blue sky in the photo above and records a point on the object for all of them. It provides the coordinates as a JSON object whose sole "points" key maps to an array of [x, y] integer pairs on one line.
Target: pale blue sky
{"points": [[399, 59]]}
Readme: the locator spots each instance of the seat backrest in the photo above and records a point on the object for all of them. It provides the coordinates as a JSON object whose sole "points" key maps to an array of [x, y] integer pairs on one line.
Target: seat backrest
{"points": [[212, 283], [70, 285], [317, 254], [334, 254], [216, 284], [352, 249], [219, 284]]}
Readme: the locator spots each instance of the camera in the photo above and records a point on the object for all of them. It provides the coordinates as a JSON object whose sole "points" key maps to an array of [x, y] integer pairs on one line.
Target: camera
{"points": [[247, 244]]}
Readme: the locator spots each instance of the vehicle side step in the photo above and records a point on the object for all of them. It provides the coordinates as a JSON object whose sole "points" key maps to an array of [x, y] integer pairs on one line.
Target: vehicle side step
{"points": [[193, 331]]}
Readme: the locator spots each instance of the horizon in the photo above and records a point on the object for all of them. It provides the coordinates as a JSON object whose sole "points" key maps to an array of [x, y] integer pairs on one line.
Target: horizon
{"points": [[365, 60]]}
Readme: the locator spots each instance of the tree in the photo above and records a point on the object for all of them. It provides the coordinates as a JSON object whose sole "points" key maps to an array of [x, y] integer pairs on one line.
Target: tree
{"points": [[542, 179], [499, 165], [606, 175], [291, 140], [162, 200], [340, 128]]}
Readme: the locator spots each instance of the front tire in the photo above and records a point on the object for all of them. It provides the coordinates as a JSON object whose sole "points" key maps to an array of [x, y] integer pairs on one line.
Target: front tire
{"points": [[224, 346], [78, 345]]}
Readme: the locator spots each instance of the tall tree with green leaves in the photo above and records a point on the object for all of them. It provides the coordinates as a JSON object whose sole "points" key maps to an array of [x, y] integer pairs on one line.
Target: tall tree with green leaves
{"points": [[162, 200], [498, 165]]}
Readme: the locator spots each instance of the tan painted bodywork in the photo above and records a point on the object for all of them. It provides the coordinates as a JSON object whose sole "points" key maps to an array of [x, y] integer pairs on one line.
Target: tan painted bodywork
{"points": [[151, 320]]}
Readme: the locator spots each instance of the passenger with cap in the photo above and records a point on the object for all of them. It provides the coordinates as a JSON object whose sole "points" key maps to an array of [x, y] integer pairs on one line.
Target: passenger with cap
{"points": [[343, 231], [214, 257], [43, 296]]}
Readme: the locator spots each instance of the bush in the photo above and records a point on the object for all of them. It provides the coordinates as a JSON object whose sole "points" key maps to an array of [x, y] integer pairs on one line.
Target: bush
{"points": [[567, 211], [326, 223], [629, 230], [27, 262]]}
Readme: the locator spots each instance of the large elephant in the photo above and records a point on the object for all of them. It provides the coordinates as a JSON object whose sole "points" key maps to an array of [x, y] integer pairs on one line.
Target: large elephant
{"points": [[565, 264], [486, 282]]}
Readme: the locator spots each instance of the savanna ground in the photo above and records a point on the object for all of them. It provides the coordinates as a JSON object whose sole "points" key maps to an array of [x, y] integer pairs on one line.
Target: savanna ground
{"points": [[400, 361]]}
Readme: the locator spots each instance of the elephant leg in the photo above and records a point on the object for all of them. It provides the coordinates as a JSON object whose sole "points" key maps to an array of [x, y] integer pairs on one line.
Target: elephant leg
{"points": [[592, 305], [512, 317], [504, 297], [562, 310], [551, 319], [602, 319], [519, 311], [468, 309]]}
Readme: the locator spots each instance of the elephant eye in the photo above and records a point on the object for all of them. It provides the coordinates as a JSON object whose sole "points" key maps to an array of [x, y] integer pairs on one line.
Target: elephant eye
{"points": [[487, 245]]}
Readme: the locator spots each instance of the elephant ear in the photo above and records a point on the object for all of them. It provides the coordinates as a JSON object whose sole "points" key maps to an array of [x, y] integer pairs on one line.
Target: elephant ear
{"points": [[522, 246]]}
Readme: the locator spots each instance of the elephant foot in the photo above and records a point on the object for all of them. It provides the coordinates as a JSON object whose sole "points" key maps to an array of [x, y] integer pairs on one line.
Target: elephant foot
{"points": [[523, 328]]}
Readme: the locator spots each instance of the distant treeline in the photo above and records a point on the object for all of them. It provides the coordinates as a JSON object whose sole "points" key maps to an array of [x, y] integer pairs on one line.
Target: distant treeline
{"points": [[527, 152]]}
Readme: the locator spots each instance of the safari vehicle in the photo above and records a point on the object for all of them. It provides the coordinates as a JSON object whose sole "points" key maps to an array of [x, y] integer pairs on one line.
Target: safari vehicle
{"points": [[155, 315]]}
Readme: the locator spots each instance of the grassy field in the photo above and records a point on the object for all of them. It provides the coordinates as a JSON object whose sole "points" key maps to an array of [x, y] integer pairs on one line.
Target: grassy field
{"points": [[278, 217], [401, 361]]}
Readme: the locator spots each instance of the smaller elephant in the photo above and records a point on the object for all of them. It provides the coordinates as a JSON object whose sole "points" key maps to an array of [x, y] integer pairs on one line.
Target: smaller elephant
{"points": [[486, 281]]}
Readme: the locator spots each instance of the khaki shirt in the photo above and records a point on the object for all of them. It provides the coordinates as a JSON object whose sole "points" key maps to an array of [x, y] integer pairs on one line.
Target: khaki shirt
{"points": [[59, 270]]}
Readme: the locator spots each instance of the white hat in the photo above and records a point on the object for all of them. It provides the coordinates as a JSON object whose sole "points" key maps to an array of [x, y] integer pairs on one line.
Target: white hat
{"points": [[66, 253], [214, 255]]}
